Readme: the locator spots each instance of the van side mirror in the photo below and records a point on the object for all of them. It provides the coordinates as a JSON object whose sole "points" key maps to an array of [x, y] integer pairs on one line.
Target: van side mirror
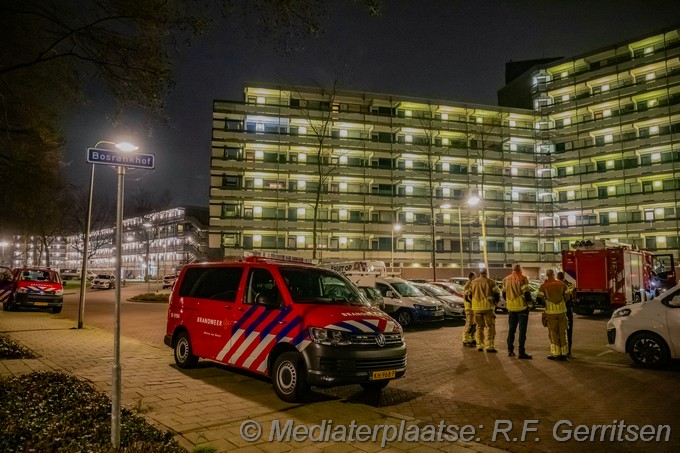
{"points": [[267, 300], [675, 301]]}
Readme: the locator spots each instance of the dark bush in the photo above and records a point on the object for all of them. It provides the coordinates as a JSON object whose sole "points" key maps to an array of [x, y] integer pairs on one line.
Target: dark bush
{"points": [[12, 350], [48, 411]]}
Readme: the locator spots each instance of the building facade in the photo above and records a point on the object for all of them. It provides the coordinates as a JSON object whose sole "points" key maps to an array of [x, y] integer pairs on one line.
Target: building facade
{"points": [[155, 244], [334, 175]]}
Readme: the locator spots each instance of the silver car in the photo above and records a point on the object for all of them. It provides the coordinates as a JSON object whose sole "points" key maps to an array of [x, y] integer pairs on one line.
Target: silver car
{"points": [[453, 305], [103, 281]]}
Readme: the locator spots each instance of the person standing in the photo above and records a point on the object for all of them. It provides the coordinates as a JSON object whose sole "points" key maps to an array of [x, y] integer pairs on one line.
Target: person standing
{"points": [[469, 330], [483, 292], [553, 292], [570, 311], [516, 286]]}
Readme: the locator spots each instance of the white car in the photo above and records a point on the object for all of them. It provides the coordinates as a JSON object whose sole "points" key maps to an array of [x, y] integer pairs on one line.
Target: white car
{"points": [[169, 281], [103, 281], [648, 331]]}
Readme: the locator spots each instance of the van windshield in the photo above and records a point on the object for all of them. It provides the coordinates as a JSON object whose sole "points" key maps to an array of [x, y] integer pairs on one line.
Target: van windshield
{"points": [[321, 286]]}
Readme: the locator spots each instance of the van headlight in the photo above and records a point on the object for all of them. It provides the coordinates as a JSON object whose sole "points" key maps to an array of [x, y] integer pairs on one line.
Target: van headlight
{"points": [[621, 313], [329, 337], [59, 292]]}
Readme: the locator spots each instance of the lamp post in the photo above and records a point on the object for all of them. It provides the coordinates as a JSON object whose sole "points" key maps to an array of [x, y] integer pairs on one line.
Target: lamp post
{"points": [[86, 239], [472, 201], [395, 227], [3, 244]]}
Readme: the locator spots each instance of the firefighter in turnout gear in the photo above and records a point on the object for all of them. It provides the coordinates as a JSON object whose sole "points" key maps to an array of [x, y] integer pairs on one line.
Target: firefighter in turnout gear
{"points": [[570, 313], [484, 295], [554, 293], [469, 329], [517, 290]]}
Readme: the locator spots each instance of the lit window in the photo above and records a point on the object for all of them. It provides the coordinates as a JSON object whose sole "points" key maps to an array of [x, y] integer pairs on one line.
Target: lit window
{"points": [[302, 157], [258, 182], [343, 159], [516, 244], [567, 121], [409, 216], [343, 213], [512, 123], [649, 50], [570, 194], [409, 164], [300, 239], [343, 240], [607, 113], [300, 212], [649, 76], [409, 242], [515, 195], [257, 210], [565, 74], [611, 189], [408, 138], [571, 219], [480, 119], [608, 138], [570, 170], [513, 171], [445, 141], [654, 130], [446, 166], [446, 191], [260, 99], [445, 116], [257, 238], [302, 184], [343, 133], [605, 87], [409, 191], [661, 239], [259, 127], [408, 113], [652, 102], [614, 239], [513, 146], [343, 186], [259, 154], [656, 157], [613, 216], [565, 98], [302, 130], [659, 211], [515, 220], [610, 164], [657, 183]]}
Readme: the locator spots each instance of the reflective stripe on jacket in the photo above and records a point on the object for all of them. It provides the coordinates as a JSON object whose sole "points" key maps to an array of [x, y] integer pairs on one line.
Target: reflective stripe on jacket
{"points": [[482, 290], [466, 292], [515, 285], [554, 293]]}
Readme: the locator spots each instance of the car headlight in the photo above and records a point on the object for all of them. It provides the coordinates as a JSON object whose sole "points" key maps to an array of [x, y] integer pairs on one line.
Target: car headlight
{"points": [[329, 337], [22, 290], [621, 313]]}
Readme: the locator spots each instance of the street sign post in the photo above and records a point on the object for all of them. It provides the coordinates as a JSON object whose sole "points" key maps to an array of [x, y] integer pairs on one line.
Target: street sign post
{"points": [[118, 158]]}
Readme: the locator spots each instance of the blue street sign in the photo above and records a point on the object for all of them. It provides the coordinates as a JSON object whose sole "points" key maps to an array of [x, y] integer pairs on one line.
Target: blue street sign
{"points": [[120, 158]]}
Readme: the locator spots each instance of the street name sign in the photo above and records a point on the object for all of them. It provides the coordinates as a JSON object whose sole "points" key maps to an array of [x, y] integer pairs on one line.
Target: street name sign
{"points": [[120, 158]]}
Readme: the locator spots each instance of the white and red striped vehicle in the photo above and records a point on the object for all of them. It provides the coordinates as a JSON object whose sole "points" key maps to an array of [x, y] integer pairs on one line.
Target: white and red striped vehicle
{"points": [[300, 324]]}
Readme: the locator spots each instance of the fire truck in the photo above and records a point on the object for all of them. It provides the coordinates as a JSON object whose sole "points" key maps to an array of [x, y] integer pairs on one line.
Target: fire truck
{"points": [[607, 275]]}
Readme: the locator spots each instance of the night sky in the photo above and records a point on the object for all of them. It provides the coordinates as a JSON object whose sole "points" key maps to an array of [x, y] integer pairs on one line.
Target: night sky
{"points": [[436, 49]]}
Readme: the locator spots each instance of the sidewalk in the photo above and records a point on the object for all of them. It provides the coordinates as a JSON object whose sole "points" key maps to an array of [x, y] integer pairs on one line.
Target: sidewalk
{"points": [[205, 406]]}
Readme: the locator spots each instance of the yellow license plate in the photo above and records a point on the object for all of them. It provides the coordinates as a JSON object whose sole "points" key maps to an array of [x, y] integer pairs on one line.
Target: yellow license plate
{"points": [[386, 374], [41, 304]]}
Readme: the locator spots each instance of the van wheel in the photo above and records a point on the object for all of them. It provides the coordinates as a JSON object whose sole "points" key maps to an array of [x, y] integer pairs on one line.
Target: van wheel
{"points": [[374, 386], [56, 310], [649, 350], [404, 318], [289, 377], [184, 354]]}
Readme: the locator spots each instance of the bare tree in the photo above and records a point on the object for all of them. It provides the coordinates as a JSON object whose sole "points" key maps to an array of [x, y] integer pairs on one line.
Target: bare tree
{"points": [[102, 217]]}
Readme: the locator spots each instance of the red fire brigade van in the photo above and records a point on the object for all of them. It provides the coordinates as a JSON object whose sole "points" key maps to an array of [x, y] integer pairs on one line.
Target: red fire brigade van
{"points": [[31, 287], [300, 324]]}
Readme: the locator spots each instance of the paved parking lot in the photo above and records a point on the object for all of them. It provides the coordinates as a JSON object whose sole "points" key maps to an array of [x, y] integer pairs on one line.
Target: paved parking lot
{"points": [[446, 383]]}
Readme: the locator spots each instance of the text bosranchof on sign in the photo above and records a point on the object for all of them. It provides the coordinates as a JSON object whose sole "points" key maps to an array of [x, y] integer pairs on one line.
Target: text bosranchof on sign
{"points": [[120, 158]]}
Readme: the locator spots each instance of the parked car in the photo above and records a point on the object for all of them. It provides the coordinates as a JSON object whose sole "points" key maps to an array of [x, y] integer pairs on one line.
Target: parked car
{"points": [[103, 281], [459, 280], [169, 281], [31, 287], [453, 288], [374, 297], [74, 274], [454, 306], [649, 331], [406, 303]]}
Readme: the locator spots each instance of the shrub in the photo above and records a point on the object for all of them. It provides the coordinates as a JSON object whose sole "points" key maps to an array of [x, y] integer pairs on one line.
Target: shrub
{"points": [[12, 350]]}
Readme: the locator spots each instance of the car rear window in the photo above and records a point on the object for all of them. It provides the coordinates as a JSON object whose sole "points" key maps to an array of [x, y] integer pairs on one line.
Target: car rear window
{"points": [[217, 283]]}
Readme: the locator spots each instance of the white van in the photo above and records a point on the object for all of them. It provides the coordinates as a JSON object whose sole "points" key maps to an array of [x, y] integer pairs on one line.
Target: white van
{"points": [[648, 331], [406, 303]]}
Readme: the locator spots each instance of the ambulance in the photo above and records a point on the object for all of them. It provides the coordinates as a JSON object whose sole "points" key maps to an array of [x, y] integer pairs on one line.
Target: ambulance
{"points": [[299, 324]]}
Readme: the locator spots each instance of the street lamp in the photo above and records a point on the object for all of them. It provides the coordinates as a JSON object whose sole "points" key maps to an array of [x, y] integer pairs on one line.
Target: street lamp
{"points": [[123, 146], [3, 245], [472, 201], [395, 227]]}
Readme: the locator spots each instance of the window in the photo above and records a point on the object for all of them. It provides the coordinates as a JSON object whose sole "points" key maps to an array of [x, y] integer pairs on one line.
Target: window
{"points": [[216, 283]]}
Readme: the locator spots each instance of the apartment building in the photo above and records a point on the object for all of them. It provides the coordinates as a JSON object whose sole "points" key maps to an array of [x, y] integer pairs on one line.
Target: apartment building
{"points": [[580, 148], [154, 244]]}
